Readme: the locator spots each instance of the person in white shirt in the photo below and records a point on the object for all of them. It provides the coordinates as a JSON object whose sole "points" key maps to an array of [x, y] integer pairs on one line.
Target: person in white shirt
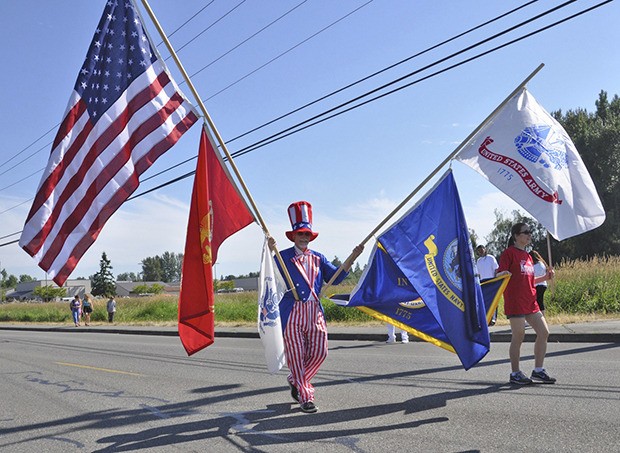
{"points": [[487, 267], [540, 270]]}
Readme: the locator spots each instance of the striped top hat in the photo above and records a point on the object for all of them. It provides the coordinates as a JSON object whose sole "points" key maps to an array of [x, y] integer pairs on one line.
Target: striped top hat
{"points": [[300, 215]]}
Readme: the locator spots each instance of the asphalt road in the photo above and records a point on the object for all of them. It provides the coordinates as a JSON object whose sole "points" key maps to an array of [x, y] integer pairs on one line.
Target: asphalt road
{"points": [[91, 392]]}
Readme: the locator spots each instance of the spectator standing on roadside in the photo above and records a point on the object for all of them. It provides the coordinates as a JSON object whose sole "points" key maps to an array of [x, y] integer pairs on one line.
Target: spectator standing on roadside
{"points": [[111, 307], [487, 268], [520, 305], [76, 308], [87, 308]]}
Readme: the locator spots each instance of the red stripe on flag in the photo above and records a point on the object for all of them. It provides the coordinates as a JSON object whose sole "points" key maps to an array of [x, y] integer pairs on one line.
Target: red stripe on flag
{"points": [[101, 144], [145, 161], [115, 203], [48, 187], [99, 183]]}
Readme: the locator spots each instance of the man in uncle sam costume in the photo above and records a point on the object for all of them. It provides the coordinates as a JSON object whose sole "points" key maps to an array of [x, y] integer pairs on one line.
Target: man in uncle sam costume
{"points": [[303, 321]]}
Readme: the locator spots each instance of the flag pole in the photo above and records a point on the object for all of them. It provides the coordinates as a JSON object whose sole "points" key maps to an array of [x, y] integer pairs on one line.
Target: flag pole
{"points": [[550, 260], [218, 137], [441, 165]]}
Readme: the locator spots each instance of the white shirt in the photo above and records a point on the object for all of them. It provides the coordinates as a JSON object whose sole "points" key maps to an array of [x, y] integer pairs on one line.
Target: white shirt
{"points": [[539, 271], [487, 265]]}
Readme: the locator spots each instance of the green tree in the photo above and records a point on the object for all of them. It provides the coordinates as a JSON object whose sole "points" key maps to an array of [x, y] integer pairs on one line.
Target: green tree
{"points": [[497, 240], [8, 281], [103, 281], [49, 292], [26, 278], [151, 269], [171, 264], [597, 138], [155, 288], [127, 277], [225, 285]]}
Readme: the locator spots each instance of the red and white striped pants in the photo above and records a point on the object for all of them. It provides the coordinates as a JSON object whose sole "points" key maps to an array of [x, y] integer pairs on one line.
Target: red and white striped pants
{"points": [[305, 340]]}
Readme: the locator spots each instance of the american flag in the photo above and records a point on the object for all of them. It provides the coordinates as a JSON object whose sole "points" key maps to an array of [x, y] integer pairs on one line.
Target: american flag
{"points": [[125, 111]]}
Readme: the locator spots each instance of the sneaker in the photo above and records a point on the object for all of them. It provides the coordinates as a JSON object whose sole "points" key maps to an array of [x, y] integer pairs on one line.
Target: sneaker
{"points": [[404, 339], [519, 378], [294, 392], [542, 377], [308, 407], [391, 340]]}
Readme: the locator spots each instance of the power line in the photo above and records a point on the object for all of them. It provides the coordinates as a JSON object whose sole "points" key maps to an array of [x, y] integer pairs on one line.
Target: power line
{"points": [[188, 20], [23, 179], [307, 123], [26, 148], [400, 79], [183, 46], [279, 136], [208, 28], [245, 151], [351, 84], [285, 52], [249, 37], [381, 71]]}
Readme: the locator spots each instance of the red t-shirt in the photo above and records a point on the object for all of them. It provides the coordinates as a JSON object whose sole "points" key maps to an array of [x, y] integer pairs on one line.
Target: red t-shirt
{"points": [[520, 294]]}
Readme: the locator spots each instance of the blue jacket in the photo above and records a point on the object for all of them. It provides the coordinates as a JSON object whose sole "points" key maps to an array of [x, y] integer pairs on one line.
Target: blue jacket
{"points": [[326, 271]]}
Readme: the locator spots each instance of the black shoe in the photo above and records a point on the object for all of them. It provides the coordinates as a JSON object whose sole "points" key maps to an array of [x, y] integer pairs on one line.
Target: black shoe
{"points": [[519, 378], [542, 377], [309, 407], [294, 392]]}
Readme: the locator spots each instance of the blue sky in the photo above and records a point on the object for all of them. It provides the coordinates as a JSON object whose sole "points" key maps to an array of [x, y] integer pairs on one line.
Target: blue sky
{"points": [[355, 168]]}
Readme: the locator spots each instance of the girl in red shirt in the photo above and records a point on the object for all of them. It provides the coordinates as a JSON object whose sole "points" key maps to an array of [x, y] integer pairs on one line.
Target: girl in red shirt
{"points": [[520, 304]]}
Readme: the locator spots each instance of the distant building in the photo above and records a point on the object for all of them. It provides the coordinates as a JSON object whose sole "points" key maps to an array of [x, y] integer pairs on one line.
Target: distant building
{"points": [[25, 290], [247, 284]]}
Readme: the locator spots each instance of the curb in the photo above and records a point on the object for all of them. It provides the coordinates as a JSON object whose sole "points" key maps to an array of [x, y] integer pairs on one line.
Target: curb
{"points": [[496, 337]]}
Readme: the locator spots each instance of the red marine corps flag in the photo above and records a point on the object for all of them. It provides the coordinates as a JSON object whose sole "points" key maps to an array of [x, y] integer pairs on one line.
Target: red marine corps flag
{"points": [[124, 112], [217, 211]]}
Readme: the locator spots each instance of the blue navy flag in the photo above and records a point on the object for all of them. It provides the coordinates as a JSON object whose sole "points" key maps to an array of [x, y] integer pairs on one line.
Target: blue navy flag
{"points": [[421, 277]]}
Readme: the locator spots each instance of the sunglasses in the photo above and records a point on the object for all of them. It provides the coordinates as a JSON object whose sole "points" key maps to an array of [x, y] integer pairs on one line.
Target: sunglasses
{"points": [[525, 232]]}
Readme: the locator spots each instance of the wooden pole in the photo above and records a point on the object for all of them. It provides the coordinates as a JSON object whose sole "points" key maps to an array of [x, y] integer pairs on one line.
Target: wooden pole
{"points": [[441, 165], [219, 138], [550, 263]]}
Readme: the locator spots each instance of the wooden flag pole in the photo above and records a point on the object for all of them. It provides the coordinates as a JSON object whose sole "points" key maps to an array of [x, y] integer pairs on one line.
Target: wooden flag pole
{"points": [[219, 139], [550, 260], [441, 165]]}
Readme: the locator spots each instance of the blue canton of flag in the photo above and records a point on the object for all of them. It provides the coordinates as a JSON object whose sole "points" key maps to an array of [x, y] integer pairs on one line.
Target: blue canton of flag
{"points": [[124, 112], [119, 52]]}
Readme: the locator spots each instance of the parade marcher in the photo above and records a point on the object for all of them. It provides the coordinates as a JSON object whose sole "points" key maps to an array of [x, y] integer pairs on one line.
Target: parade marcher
{"points": [[303, 320], [520, 305], [404, 335], [487, 268]]}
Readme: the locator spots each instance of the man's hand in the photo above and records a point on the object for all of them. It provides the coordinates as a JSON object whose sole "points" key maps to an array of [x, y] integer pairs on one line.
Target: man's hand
{"points": [[357, 251], [271, 242]]}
